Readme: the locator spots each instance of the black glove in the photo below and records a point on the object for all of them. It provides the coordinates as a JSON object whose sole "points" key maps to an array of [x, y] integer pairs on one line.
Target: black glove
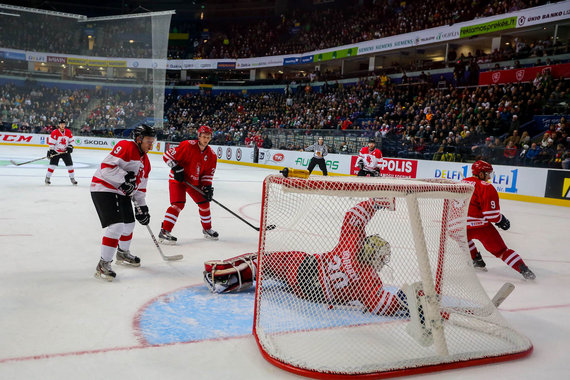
{"points": [[208, 192], [130, 184], [361, 165], [69, 149], [143, 216], [376, 173], [504, 223], [178, 172], [51, 153]]}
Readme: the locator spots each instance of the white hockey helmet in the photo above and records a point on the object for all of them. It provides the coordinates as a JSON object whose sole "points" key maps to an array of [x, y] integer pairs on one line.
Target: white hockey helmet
{"points": [[375, 251]]}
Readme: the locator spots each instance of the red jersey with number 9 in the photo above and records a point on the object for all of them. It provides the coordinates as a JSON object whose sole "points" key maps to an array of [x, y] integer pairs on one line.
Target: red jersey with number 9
{"points": [[484, 205]]}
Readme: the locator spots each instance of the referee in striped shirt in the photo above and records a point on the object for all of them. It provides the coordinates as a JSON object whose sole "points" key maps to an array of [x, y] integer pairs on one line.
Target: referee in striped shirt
{"points": [[320, 151]]}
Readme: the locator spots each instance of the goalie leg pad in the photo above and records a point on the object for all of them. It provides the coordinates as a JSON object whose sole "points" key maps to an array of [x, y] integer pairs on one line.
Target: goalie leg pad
{"points": [[231, 275], [418, 327]]}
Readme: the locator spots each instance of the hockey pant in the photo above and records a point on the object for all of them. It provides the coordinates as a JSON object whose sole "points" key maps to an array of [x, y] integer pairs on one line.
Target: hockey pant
{"points": [[54, 161], [178, 193], [493, 242], [318, 161]]}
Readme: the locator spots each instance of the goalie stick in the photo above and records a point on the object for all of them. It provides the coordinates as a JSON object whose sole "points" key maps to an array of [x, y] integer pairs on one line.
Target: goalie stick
{"points": [[34, 160], [164, 257], [268, 228]]}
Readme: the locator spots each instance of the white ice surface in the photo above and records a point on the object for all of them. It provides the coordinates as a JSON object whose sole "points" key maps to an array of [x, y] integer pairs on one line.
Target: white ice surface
{"points": [[57, 321]]}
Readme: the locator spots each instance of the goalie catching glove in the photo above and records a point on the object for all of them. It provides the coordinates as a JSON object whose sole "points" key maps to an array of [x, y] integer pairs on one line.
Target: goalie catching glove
{"points": [[231, 275]]}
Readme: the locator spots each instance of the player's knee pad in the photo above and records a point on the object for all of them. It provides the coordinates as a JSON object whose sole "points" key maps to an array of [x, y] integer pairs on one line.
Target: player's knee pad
{"points": [[128, 228], [115, 230], [178, 206]]}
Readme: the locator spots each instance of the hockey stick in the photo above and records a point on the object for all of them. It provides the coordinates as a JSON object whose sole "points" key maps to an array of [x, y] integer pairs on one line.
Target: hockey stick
{"points": [[268, 228], [164, 257], [485, 311], [34, 160]]}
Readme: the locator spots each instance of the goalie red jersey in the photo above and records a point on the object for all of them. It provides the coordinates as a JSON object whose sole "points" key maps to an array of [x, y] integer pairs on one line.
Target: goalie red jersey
{"points": [[484, 205], [346, 274], [199, 166]]}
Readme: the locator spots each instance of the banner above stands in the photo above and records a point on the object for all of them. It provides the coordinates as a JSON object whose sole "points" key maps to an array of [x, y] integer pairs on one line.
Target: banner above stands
{"points": [[519, 19], [528, 74]]}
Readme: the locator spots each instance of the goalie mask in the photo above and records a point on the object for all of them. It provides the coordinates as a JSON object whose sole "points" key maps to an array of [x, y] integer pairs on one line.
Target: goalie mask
{"points": [[375, 252]]}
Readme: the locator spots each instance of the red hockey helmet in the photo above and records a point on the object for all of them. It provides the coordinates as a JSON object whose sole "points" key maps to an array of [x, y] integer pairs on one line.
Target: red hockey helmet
{"points": [[204, 129], [481, 166]]}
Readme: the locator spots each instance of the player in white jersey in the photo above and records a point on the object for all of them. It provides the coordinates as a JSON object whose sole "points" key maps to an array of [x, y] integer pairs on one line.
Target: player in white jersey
{"points": [[122, 176], [369, 160], [60, 147]]}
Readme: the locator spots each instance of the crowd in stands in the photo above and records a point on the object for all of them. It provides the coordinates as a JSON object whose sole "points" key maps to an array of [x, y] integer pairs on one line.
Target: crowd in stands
{"points": [[38, 108], [416, 121], [300, 31]]}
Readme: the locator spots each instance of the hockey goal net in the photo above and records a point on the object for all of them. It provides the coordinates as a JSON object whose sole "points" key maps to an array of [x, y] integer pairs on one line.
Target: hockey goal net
{"points": [[330, 299]]}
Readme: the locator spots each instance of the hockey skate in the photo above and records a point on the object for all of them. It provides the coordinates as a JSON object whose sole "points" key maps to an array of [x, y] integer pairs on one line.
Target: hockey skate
{"points": [[527, 273], [210, 234], [125, 258], [47, 181], [166, 238], [478, 263], [73, 181], [104, 271]]}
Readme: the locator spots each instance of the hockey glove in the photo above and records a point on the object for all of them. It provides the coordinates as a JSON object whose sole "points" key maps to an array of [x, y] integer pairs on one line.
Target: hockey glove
{"points": [[361, 165], [69, 149], [143, 216], [376, 173], [208, 192], [178, 172], [504, 223], [51, 153], [130, 184]]}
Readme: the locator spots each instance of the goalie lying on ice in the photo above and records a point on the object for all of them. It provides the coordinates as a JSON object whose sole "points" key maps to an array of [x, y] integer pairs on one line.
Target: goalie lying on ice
{"points": [[348, 273]]}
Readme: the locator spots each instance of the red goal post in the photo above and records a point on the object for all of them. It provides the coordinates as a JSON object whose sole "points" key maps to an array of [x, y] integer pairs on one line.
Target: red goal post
{"points": [[319, 310]]}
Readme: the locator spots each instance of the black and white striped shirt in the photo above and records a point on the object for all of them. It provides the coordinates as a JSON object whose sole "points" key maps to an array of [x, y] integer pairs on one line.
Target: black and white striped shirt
{"points": [[318, 148]]}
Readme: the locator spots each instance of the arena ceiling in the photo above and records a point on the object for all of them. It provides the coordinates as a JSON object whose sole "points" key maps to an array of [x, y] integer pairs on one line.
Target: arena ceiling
{"points": [[94, 8]]}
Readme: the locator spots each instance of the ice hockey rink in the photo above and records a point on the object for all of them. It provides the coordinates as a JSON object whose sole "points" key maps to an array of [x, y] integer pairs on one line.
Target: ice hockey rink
{"points": [[160, 321]]}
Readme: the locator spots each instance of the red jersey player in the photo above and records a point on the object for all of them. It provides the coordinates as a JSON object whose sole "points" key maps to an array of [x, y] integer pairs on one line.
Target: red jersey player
{"points": [[369, 160], [483, 211], [193, 162], [60, 146], [123, 175], [346, 274]]}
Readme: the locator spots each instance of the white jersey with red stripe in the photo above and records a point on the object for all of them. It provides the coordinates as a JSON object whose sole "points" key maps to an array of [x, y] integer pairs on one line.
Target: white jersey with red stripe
{"points": [[199, 166], [371, 158], [484, 205], [125, 157], [59, 141]]}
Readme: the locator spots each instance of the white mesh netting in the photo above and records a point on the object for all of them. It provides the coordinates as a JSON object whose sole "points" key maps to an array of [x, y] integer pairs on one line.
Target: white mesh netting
{"points": [[330, 297]]}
